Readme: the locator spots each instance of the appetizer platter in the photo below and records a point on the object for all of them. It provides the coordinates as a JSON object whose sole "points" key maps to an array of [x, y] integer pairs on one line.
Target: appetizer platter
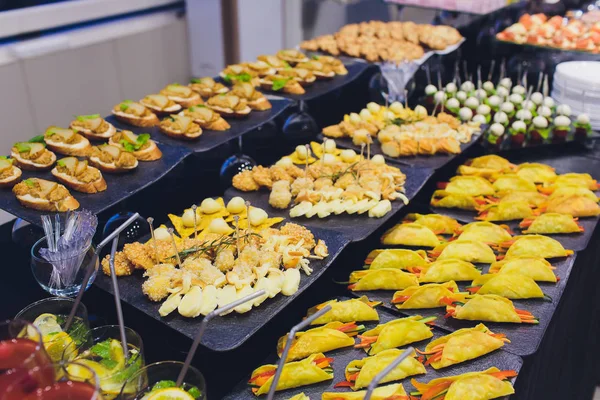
{"points": [[338, 190], [512, 198], [344, 357], [38, 181], [276, 255], [204, 128], [557, 32], [407, 136], [478, 261], [395, 41]]}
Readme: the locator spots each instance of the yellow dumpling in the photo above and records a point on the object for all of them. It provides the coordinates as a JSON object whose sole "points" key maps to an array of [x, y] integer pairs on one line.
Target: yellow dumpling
{"points": [[569, 190], [551, 223], [484, 385], [317, 340], [575, 205], [425, 296], [440, 224], [381, 279], [513, 183], [394, 391], [491, 161], [353, 310], [395, 333], [360, 373], [396, 258], [576, 179], [534, 199], [469, 186], [410, 234], [506, 211], [537, 268], [467, 250], [463, 345], [443, 199], [512, 286], [486, 173], [449, 270], [488, 307], [536, 173], [536, 245], [484, 231]]}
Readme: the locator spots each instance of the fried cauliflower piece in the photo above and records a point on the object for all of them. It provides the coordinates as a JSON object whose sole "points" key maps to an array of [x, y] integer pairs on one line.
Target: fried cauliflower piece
{"points": [[203, 269], [262, 176], [245, 182], [279, 173], [296, 233], [122, 265], [225, 259], [302, 184], [139, 254], [280, 196], [157, 287]]}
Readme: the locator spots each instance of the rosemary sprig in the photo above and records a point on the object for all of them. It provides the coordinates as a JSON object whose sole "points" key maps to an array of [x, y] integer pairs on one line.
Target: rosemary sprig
{"points": [[216, 245]]}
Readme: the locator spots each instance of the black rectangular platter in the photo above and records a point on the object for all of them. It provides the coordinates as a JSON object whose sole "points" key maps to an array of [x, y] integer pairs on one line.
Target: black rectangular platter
{"points": [[211, 139], [119, 186], [325, 86], [434, 162], [525, 338], [232, 330], [341, 357], [572, 241], [355, 227]]}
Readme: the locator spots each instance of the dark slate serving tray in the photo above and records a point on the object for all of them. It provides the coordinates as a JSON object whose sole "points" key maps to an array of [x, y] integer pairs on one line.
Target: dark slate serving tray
{"points": [[525, 338], [211, 139], [325, 86], [355, 227], [230, 331], [120, 186], [341, 357], [435, 162]]}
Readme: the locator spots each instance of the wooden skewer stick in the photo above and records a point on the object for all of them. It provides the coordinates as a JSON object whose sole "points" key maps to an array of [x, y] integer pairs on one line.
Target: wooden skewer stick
{"points": [[236, 221], [154, 245], [194, 208], [175, 246]]}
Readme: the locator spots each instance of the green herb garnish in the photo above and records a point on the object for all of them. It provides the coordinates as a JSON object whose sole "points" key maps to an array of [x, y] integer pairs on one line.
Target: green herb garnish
{"points": [[37, 139], [86, 117], [29, 183], [125, 105], [60, 163], [196, 80], [314, 57], [102, 349], [243, 77], [163, 385], [139, 143], [78, 331], [22, 147], [278, 84], [195, 392], [108, 363]]}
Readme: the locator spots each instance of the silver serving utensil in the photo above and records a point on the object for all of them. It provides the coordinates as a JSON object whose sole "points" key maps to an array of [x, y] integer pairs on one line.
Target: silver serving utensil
{"points": [[386, 371]]}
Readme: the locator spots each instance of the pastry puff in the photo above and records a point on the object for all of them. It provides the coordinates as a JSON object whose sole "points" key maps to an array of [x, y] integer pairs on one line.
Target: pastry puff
{"points": [[395, 333], [411, 234], [425, 296], [352, 310], [468, 250], [536, 245], [512, 286], [396, 258], [395, 391], [381, 279]]}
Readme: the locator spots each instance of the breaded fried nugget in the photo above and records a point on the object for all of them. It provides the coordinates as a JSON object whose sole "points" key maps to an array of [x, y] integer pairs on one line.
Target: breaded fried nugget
{"points": [[296, 233], [157, 287], [262, 176], [139, 255], [122, 265], [245, 182]]}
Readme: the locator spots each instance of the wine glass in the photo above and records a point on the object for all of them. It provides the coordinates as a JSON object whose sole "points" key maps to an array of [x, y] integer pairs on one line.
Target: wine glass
{"points": [[74, 381], [50, 316], [23, 360], [161, 376], [133, 232], [300, 126], [104, 354], [65, 276]]}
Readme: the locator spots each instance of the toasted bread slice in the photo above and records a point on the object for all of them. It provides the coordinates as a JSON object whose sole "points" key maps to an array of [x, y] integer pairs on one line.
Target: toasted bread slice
{"points": [[88, 133], [231, 113], [115, 154], [32, 165], [150, 153], [14, 173], [40, 202], [290, 87], [81, 148], [160, 104], [260, 104], [182, 127], [71, 180], [143, 122]]}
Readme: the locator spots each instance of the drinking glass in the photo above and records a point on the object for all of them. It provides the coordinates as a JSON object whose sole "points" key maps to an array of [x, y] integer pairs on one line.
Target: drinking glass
{"points": [[74, 381], [163, 376], [23, 360], [104, 354], [65, 277], [50, 316]]}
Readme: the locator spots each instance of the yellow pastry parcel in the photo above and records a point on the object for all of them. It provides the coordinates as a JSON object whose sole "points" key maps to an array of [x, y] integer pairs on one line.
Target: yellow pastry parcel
{"points": [[487, 307], [576, 179], [331, 336], [534, 199], [491, 161], [411, 234], [536, 173], [575, 205], [484, 231], [469, 186], [551, 223], [484, 385], [425, 296], [569, 190], [443, 199], [506, 211], [396, 258], [395, 333], [468, 250], [513, 183], [535, 267], [513, 286], [311, 370], [353, 310], [381, 279], [360, 373], [449, 269], [536, 245], [462, 345], [440, 224], [300, 396], [394, 391]]}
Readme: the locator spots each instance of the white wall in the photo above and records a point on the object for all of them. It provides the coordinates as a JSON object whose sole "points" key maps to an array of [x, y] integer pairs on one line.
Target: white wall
{"points": [[46, 81]]}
